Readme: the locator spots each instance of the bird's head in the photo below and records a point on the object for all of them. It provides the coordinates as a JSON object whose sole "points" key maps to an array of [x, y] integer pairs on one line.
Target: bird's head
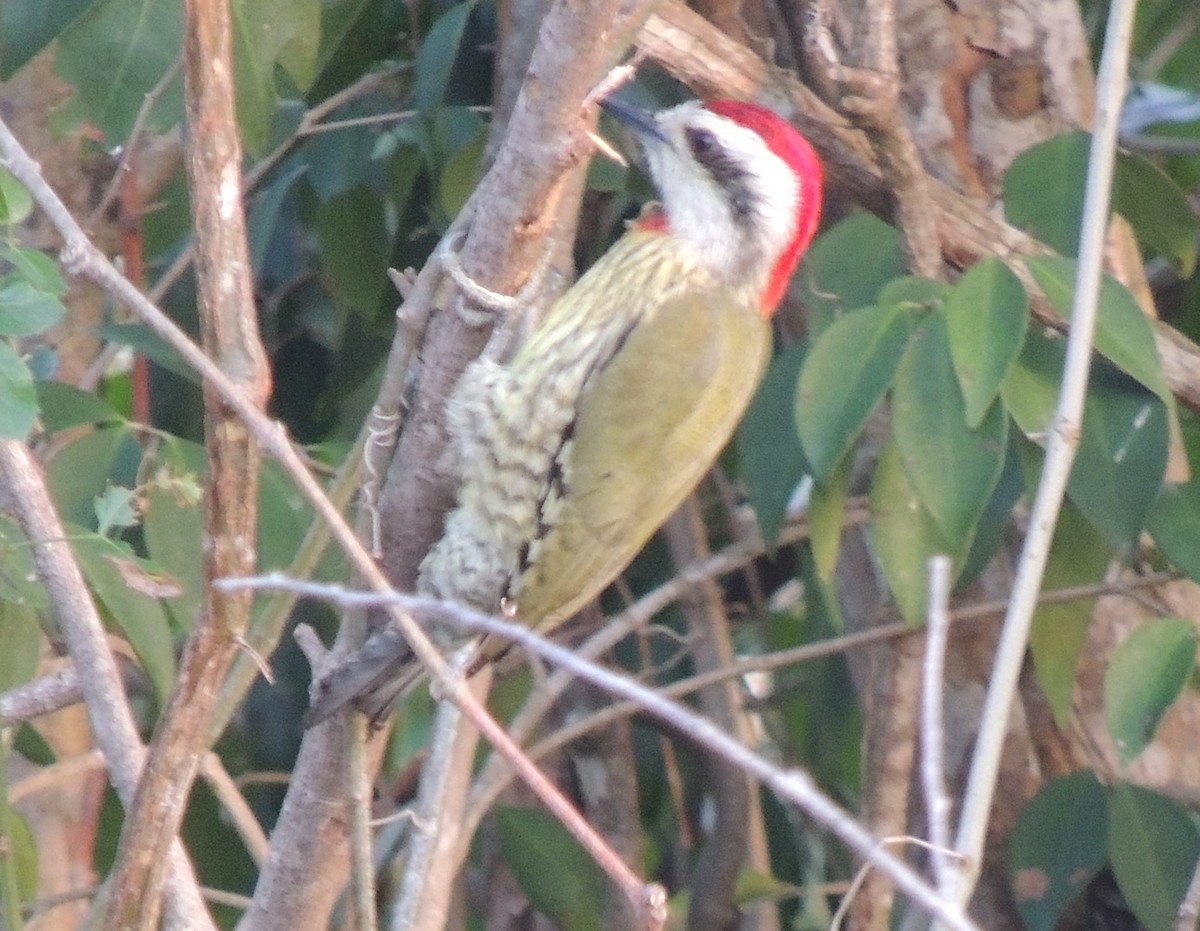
{"points": [[738, 182]]}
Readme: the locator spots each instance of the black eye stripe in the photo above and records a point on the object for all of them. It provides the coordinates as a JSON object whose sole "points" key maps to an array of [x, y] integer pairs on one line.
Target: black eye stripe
{"points": [[725, 170]]}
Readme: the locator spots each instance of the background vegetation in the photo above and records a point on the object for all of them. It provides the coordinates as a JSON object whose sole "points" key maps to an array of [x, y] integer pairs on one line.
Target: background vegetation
{"points": [[919, 358]]}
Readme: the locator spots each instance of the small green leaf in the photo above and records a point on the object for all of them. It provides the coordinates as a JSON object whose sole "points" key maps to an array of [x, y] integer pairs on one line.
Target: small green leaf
{"points": [[553, 871], [768, 449], [18, 399], [903, 534], [113, 55], [848, 266], [1123, 334], [115, 508], [355, 247], [460, 174], [28, 26], [1153, 845], [1057, 845], [130, 590], [20, 643], [24, 310], [174, 528], [1158, 211], [1079, 555], [953, 467], [847, 371], [1122, 455], [140, 338], [435, 59], [64, 406], [1043, 190], [15, 202], [79, 472], [19, 581], [35, 267], [1174, 522], [1145, 676], [1030, 390], [826, 518], [987, 316]]}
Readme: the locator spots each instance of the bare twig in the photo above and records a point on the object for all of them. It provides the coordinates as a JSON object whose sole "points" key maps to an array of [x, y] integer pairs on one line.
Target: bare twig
{"points": [[236, 808], [1060, 450]]}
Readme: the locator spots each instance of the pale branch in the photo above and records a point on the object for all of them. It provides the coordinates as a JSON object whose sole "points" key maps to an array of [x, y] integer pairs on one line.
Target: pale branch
{"points": [[714, 65], [111, 718], [793, 786], [1060, 450], [933, 732]]}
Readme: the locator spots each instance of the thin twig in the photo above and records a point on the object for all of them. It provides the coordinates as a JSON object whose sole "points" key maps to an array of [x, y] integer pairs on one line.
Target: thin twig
{"points": [[212, 769], [1060, 450]]}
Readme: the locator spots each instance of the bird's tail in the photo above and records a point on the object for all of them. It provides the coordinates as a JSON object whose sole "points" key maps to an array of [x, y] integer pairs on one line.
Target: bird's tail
{"points": [[370, 680]]}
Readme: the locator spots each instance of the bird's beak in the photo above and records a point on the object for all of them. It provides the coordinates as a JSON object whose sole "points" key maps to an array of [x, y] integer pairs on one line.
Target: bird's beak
{"points": [[641, 121]]}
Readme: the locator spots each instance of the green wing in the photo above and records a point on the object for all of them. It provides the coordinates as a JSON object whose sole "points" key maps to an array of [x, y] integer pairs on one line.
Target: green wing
{"points": [[647, 431]]}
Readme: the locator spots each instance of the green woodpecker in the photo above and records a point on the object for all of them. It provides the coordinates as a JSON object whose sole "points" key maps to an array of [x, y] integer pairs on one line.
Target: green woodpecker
{"points": [[574, 451]]}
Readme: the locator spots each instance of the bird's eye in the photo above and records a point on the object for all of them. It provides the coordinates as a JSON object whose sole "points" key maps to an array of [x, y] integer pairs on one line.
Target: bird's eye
{"points": [[701, 142]]}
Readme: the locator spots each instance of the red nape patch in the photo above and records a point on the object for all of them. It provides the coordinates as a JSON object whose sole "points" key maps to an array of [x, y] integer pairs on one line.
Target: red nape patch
{"points": [[786, 142], [652, 220]]}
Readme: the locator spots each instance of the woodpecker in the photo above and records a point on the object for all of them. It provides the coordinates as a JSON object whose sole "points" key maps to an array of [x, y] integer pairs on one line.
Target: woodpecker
{"points": [[575, 450]]}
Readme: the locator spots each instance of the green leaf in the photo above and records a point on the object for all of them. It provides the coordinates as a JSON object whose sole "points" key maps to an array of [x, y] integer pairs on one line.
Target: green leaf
{"points": [[1030, 390], [19, 581], [20, 643], [24, 310], [174, 528], [1043, 190], [555, 873], [1153, 845], [35, 267], [266, 33], [903, 534], [768, 449], [355, 248], [1159, 212], [825, 517], [130, 590], [64, 406], [79, 472], [1123, 448], [113, 55], [1174, 522], [15, 202], [1122, 455], [18, 399], [914, 292], [459, 175], [1078, 556], [953, 467], [140, 338], [1057, 845], [115, 508], [28, 26], [1123, 334], [1146, 674], [987, 316], [435, 59], [848, 266], [847, 371]]}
